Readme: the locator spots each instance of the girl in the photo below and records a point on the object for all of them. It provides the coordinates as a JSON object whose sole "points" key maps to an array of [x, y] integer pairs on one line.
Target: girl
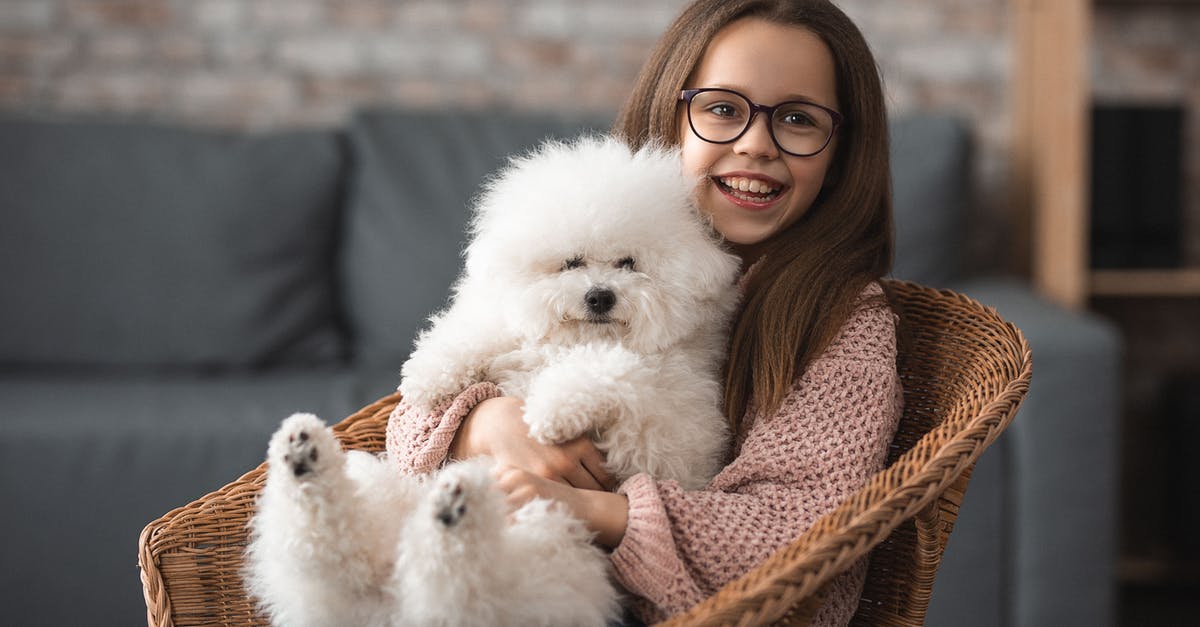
{"points": [[777, 104]]}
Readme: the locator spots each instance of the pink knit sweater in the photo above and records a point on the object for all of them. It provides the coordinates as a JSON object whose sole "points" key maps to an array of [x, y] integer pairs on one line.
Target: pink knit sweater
{"points": [[828, 437]]}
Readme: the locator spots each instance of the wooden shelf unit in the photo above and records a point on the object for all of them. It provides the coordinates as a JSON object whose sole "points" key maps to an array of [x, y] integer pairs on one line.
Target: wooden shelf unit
{"points": [[1051, 182], [1184, 282], [1050, 159]]}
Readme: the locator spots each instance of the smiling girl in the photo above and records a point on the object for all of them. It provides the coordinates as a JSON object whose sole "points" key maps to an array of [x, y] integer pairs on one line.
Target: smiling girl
{"points": [[778, 109]]}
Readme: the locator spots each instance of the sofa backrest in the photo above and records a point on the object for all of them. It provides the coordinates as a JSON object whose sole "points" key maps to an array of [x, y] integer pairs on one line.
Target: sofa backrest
{"points": [[409, 199], [138, 246], [931, 195]]}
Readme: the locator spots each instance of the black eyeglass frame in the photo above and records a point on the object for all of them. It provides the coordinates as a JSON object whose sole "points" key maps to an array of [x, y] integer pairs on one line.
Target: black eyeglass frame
{"points": [[688, 94]]}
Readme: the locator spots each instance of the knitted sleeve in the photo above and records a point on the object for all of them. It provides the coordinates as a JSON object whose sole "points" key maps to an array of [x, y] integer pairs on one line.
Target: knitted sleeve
{"points": [[829, 436], [418, 441]]}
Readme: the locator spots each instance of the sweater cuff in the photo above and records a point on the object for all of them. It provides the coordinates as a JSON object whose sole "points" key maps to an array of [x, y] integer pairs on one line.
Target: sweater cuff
{"points": [[437, 447], [646, 561]]}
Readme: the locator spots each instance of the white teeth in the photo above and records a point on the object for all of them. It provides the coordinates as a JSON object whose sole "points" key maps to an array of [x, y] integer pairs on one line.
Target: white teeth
{"points": [[754, 186]]}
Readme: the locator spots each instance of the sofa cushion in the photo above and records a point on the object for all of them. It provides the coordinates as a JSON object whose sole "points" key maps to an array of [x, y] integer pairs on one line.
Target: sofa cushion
{"points": [[407, 212], [930, 192], [133, 245], [86, 461]]}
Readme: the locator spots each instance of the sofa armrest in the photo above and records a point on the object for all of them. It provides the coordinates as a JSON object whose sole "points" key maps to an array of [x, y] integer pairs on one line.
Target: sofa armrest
{"points": [[1063, 462]]}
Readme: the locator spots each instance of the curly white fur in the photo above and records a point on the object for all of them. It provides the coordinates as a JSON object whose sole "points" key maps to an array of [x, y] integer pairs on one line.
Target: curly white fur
{"points": [[593, 290], [341, 538], [573, 223]]}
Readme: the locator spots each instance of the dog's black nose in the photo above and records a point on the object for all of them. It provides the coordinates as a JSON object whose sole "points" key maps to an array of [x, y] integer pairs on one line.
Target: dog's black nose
{"points": [[599, 300]]}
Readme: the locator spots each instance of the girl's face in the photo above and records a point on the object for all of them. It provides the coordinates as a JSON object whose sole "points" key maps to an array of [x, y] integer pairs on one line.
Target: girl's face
{"points": [[769, 64]]}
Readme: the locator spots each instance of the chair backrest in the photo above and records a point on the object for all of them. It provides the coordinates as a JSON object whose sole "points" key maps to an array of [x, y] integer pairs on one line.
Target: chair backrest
{"points": [[965, 372]]}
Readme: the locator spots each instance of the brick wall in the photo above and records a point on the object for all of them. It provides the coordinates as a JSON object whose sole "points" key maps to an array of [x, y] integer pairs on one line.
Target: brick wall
{"points": [[271, 63], [265, 63]]}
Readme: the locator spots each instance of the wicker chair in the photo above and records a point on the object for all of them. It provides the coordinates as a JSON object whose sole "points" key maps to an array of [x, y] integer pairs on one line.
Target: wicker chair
{"points": [[965, 372]]}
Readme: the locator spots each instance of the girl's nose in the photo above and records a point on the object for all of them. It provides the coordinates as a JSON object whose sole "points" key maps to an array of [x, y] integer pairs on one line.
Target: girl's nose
{"points": [[756, 141]]}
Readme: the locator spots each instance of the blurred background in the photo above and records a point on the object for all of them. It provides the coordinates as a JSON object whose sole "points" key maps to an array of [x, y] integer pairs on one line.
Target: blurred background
{"points": [[268, 65], [272, 63]]}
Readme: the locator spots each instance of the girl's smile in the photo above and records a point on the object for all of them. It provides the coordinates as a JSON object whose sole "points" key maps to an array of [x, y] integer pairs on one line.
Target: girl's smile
{"points": [[750, 190]]}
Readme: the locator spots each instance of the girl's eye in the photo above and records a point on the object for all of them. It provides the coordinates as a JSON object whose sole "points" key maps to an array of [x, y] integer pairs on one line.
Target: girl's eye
{"points": [[723, 110], [798, 119], [625, 263], [573, 262]]}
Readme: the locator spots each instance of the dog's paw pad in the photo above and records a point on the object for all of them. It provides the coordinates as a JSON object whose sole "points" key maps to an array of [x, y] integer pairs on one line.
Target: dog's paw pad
{"points": [[450, 502], [464, 489], [302, 456], [302, 445]]}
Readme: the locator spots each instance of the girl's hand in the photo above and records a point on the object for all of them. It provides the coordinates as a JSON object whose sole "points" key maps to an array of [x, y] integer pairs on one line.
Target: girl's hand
{"points": [[496, 427], [605, 513]]}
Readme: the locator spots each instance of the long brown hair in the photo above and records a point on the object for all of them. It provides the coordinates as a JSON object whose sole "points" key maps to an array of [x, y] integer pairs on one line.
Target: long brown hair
{"points": [[810, 275]]}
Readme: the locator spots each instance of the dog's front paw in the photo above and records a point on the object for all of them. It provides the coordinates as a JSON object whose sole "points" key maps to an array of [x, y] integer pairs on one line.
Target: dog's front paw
{"points": [[423, 394], [303, 448], [552, 422], [428, 381]]}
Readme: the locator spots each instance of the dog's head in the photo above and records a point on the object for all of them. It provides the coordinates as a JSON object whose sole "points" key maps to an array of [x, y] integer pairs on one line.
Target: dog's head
{"points": [[590, 241]]}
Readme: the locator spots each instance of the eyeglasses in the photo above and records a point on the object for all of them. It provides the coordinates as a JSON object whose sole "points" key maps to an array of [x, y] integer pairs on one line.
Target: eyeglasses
{"points": [[798, 127]]}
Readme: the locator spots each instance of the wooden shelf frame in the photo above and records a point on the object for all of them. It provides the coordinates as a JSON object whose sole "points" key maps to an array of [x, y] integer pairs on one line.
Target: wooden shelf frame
{"points": [[1183, 282], [1154, 571], [1051, 142]]}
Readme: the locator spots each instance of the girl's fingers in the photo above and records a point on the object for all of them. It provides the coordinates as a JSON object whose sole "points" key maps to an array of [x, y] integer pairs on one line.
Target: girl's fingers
{"points": [[580, 476], [514, 484], [593, 463], [587, 465]]}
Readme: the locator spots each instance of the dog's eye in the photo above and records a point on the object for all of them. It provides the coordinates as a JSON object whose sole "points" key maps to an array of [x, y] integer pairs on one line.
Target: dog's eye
{"points": [[573, 262], [625, 263]]}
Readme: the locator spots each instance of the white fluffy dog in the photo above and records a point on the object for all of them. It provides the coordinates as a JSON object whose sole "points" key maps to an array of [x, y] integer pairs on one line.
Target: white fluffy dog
{"points": [[342, 539], [595, 291]]}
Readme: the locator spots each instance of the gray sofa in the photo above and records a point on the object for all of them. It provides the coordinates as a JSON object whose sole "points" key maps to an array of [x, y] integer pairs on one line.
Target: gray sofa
{"points": [[169, 295]]}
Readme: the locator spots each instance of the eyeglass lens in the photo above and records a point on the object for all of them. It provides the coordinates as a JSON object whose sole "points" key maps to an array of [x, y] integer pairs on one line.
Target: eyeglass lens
{"points": [[721, 116]]}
